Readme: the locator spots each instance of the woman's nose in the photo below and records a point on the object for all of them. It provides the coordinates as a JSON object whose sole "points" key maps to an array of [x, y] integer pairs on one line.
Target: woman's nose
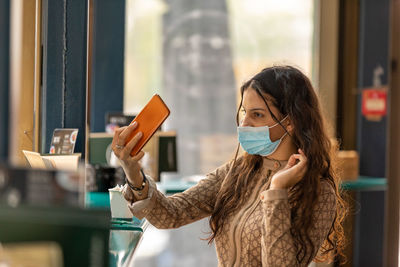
{"points": [[245, 122]]}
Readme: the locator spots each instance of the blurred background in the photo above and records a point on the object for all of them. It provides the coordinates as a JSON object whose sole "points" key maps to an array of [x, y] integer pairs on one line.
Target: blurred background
{"points": [[89, 66]]}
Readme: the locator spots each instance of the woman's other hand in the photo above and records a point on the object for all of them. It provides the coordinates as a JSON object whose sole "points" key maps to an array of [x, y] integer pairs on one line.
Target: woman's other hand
{"points": [[122, 150], [293, 172]]}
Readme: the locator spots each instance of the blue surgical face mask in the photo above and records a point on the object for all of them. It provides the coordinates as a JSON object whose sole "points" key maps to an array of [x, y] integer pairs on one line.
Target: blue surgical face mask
{"points": [[257, 141]]}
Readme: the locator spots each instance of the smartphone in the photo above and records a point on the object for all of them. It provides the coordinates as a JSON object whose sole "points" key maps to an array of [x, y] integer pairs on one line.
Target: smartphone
{"points": [[149, 120]]}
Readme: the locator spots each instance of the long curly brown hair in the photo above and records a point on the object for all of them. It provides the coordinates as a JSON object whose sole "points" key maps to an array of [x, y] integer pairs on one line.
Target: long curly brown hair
{"points": [[294, 96]]}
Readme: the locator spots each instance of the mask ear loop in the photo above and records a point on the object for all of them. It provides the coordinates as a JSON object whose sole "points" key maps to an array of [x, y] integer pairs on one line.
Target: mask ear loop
{"points": [[272, 114]]}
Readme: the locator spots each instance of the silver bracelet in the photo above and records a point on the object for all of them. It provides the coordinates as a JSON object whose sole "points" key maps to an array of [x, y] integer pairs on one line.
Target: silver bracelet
{"points": [[138, 189]]}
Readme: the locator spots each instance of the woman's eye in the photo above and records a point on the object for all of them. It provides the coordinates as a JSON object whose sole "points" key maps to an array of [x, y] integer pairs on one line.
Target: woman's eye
{"points": [[257, 115]]}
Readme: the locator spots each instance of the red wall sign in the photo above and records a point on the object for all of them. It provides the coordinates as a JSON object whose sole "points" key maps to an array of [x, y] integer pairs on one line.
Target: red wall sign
{"points": [[374, 102]]}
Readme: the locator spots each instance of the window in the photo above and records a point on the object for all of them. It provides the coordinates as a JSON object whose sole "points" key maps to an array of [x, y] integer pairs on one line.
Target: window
{"points": [[196, 54]]}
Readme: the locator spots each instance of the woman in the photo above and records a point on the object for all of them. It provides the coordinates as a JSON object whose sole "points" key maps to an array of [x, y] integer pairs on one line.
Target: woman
{"points": [[278, 204]]}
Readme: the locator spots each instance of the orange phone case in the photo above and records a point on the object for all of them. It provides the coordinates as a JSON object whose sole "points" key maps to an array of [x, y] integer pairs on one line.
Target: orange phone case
{"points": [[149, 120]]}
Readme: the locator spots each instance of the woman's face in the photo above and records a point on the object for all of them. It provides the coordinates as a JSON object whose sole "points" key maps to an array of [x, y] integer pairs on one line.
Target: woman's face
{"points": [[254, 113]]}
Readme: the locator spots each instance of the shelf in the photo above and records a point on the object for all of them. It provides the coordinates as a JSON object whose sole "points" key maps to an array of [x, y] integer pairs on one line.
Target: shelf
{"points": [[362, 183], [133, 224], [172, 187], [366, 183]]}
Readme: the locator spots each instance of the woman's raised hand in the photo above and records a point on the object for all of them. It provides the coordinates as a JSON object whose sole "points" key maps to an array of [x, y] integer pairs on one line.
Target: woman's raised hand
{"points": [[292, 173], [123, 150]]}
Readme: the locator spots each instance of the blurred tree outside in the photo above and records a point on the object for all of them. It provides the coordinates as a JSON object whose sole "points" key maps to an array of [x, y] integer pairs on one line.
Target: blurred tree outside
{"points": [[196, 54]]}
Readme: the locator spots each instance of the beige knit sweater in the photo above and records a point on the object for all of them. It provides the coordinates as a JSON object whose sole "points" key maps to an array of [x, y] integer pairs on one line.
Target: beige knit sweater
{"points": [[258, 234]]}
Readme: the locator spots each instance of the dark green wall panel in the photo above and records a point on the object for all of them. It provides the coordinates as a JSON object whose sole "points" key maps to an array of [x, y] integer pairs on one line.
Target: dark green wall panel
{"points": [[64, 32], [107, 89], [4, 76]]}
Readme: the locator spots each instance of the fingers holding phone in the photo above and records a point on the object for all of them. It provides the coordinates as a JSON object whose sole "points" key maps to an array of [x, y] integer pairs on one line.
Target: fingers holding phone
{"points": [[122, 142], [122, 151], [129, 141], [121, 135], [130, 145]]}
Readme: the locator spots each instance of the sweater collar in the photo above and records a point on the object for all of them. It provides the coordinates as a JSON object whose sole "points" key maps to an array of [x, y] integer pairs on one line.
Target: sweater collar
{"points": [[273, 164]]}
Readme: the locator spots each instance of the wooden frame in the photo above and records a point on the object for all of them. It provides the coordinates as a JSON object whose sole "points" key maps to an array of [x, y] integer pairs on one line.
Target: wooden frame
{"points": [[391, 246], [327, 58], [37, 75], [22, 69], [348, 74]]}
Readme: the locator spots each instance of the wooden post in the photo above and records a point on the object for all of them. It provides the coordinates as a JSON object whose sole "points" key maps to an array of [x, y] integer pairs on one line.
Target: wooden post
{"points": [[391, 247], [22, 65]]}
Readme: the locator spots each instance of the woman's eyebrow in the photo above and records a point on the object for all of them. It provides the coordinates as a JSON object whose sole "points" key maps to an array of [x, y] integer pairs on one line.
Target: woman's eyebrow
{"points": [[256, 109], [253, 109]]}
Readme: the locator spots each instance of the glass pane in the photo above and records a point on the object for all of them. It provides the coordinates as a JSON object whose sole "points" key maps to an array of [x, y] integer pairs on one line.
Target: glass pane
{"points": [[196, 54], [268, 32]]}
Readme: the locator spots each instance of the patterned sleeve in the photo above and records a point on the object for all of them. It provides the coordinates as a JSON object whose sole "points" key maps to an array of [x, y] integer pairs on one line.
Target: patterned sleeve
{"points": [[179, 209], [277, 243]]}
